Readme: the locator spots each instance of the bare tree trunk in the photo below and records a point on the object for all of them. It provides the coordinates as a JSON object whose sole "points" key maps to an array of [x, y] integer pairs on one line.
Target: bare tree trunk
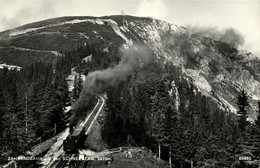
{"points": [[170, 157], [159, 150], [191, 163], [55, 130]]}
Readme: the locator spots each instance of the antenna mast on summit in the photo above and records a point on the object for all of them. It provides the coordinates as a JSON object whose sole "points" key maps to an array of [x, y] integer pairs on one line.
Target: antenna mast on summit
{"points": [[122, 12]]}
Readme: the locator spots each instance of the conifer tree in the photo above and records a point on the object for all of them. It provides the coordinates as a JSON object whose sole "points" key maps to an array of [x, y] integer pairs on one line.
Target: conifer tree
{"points": [[257, 121], [2, 126], [170, 131], [158, 134], [242, 103], [257, 131], [77, 86]]}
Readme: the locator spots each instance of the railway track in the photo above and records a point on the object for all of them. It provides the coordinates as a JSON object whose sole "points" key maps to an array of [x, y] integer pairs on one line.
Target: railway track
{"points": [[71, 163], [94, 115], [66, 160]]}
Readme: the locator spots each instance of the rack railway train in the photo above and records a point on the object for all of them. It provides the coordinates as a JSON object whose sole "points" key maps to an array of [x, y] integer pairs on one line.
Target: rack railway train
{"points": [[77, 136], [75, 139]]}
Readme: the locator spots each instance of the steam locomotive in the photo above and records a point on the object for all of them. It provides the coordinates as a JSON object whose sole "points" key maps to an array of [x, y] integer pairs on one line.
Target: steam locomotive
{"points": [[75, 139], [77, 136]]}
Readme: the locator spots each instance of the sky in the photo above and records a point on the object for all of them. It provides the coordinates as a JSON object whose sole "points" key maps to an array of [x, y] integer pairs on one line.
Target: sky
{"points": [[241, 15]]}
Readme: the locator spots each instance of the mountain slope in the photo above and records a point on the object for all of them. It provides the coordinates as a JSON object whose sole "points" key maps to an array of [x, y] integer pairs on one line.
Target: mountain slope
{"points": [[218, 70]]}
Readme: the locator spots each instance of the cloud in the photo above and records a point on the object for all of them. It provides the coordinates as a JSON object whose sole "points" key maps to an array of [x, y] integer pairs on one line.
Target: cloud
{"points": [[229, 35], [152, 8], [29, 12]]}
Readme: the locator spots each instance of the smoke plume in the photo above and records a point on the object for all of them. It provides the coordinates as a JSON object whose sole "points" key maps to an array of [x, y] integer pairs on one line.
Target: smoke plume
{"points": [[229, 35], [99, 81]]}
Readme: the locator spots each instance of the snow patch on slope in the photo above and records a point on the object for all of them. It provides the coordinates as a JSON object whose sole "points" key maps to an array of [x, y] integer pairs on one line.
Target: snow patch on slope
{"points": [[87, 59], [67, 109], [254, 97], [20, 32], [33, 50], [199, 80], [75, 21], [227, 104], [111, 22], [117, 30], [174, 92], [71, 79], [97, 34], [10, 67], [83, 35]]}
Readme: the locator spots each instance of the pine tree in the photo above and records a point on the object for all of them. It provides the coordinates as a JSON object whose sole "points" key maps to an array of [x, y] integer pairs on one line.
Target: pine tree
{"points": [[257, 131], [170, 131], [2, 124], [115, 131], [158, 134], [77, 86], [204, 116], [243, 114], [158, 105], [257, 121]]}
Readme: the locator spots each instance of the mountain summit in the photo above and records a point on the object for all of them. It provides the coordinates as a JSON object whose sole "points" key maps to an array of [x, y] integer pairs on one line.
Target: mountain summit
{"points": [[217, 69]]}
